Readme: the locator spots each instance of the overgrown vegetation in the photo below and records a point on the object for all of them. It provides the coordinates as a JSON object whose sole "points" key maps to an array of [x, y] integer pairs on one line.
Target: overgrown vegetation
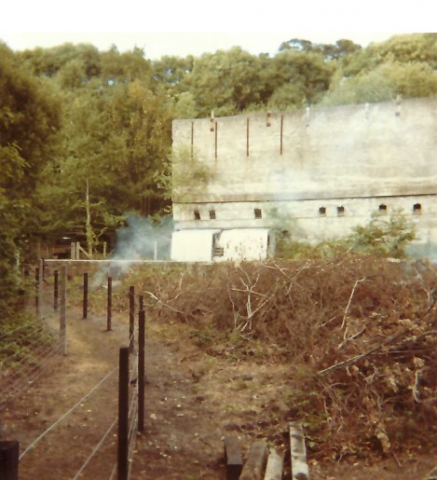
{"points": [[382, 237], [357, 333]]}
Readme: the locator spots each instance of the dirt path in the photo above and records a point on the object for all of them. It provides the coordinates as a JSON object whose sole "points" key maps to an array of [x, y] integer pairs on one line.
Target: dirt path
{"points": [[192, 400]]}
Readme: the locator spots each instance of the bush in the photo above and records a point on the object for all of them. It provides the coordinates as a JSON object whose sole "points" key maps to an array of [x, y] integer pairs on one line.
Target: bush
{"points": [[383, 237]]}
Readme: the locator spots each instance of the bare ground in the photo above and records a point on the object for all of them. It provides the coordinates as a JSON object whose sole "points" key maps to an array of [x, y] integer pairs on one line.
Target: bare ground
{"points": [[192, 401]]}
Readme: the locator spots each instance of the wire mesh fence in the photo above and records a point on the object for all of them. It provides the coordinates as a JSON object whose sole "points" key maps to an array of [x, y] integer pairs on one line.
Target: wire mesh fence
{"points": [[28, 350]]}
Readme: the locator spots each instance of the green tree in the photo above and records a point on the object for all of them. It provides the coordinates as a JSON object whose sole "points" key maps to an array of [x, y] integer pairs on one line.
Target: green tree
{"points": [[299, 77], [115, 140], [226, 82], [385, 82], [48, 61], [29, 120]]}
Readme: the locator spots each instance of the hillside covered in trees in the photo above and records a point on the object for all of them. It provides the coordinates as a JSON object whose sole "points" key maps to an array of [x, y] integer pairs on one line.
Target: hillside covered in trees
{"points": [[85, 135]]}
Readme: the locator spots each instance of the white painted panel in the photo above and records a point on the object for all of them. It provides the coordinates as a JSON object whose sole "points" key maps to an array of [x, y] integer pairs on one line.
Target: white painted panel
{"points": [[244, 244], [192, 245]]}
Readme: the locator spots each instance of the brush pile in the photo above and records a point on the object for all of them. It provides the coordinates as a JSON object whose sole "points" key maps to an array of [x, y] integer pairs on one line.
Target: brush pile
{"points": [[359, 335]]}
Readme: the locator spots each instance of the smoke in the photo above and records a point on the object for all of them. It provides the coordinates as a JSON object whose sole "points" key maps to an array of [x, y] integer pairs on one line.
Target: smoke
{"points": [[143, 239], [140, 239]]}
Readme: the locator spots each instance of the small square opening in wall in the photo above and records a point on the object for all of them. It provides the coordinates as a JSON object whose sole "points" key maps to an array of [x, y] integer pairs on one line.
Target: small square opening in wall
{"points": [[382, 208], [212, 215], [417, 208], [322, 211], [258, 213], [196, 215], [340, 210]]}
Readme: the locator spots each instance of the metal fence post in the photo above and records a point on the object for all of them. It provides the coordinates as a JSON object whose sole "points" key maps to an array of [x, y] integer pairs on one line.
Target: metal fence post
{"points": [[55, 290], [37, 291], [123, 414], [85, 295], [141, 372], [109, 313], [63, 312], [131, 318], [9, 453], [40, 288]]}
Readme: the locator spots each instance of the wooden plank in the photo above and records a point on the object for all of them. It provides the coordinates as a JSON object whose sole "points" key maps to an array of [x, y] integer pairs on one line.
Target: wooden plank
{"points": [[299, 466], [256, 462], [275, 465], [233, 458], [432, 475]]}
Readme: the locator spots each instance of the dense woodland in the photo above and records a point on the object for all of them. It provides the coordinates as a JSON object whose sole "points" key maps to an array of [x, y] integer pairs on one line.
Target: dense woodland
{"points": [[85, 135]]}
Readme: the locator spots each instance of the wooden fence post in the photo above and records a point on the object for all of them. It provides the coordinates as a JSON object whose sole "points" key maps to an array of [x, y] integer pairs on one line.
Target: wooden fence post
{"points": [[9, 453], [63, 312], [123, 414], [141, 368]]}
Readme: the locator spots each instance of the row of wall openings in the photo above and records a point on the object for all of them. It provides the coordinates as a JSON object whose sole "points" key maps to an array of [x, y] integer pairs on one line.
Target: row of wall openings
{"points": [[212, 215], [417, 209], [340, 211], [257, 212]]}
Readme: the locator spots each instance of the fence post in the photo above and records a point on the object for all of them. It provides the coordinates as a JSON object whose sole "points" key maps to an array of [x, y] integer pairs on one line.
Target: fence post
{"points": [[131, 318], [40, 287], [123, 414], [37, 291], [141, 372], [63, 312], [85, 295], [9, 452], [55, 290], [141, 302], [109, 313]]}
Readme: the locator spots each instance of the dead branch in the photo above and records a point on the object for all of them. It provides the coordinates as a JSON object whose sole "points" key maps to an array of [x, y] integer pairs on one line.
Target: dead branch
{"points": [[353, 337], [357, 358], [415, 390], [351, 296], [163, 304]]}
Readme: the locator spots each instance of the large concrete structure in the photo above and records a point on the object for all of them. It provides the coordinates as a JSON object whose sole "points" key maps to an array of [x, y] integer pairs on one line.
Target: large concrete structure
{"points": [[317, 173]]}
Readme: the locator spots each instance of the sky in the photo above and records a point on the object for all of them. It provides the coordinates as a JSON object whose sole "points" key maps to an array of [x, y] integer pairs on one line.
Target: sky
{"points": [[183, 27]]}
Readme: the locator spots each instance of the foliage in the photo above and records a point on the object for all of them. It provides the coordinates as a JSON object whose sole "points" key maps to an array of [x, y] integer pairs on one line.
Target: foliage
{"points": [[29, 119], [384, 237], [385, 82], [298, 78], [189, 174], [226, 82]]}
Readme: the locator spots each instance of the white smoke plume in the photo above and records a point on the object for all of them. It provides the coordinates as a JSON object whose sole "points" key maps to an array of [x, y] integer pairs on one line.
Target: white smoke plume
{"points": [[141, 239]]}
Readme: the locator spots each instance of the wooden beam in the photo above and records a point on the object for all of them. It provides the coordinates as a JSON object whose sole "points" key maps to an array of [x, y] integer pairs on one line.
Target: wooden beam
{"points": [[432, 475], [275, 465], [256, 462], [299, 466], [233, 458]]}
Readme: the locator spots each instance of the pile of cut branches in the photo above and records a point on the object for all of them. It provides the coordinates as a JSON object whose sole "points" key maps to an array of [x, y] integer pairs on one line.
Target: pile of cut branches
{"points": [[363, 331]]}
